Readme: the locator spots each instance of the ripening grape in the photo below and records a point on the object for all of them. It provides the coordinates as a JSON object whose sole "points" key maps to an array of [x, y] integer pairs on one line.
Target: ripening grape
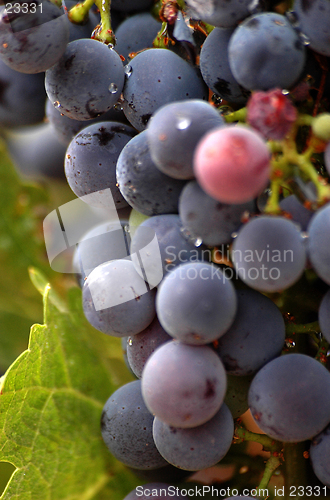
{"points": [[232, 164]]}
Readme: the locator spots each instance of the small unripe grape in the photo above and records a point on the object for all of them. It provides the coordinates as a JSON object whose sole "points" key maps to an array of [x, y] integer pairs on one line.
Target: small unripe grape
{"points": [[321, 126]]}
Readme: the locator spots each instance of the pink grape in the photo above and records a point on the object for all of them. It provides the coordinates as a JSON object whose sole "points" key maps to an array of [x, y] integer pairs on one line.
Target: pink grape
{"points": [[232, 164]]}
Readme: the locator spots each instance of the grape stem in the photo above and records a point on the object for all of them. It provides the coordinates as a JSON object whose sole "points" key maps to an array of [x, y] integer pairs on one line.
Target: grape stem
{"points": [[321, 355], [242, 434], [283, 167], [103, 32], [274, 447], [274, 461], [236, 116], [313, 327], [79, 13]]}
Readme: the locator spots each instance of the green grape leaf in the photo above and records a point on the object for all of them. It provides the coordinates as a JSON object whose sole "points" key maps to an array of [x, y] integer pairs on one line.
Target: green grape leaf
{"points": [[23, 205], [51, 402]]}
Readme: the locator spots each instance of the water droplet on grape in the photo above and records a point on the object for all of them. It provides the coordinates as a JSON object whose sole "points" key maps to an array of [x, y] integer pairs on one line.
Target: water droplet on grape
{"points": [[118, 106], [183, 123], [196, 241], [291, 17], [113, 88], [290, 343], [57, 104], [130, 342], [285, 92], [254, 7], [304, 39], [128, 70], [126, 228], [234, 235]]}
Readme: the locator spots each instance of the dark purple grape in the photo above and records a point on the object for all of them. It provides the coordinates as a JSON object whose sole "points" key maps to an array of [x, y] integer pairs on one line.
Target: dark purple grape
{"points": [[158, 77], [87, 81], [32, 37], [126, 427]]}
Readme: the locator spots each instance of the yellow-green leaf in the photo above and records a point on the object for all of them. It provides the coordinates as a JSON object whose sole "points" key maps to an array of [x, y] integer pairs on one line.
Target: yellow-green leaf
{"points": [[50, 407]]}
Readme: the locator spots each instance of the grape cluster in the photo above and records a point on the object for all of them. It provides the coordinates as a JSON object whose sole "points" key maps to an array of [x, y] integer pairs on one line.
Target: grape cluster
{"points": [[210, 121]]}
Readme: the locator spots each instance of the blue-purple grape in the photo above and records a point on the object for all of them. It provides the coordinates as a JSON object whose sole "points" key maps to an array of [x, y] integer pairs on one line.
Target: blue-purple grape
{"points": [[143, 186], [256, 336], [32, 37], [269, 253], [318, 245], [207, 219], [320, 456], [174, 131], [140, 346], [126, 426], [265, 52], [91, 158], [174, 248], [314, 22], [136, 33], [196, 303], [87, 81], [215, 68], [197, 448], [116, 299], [184, 385], [289, 398], [221, 13], [22, 97], [324, 316], [158, 77]]}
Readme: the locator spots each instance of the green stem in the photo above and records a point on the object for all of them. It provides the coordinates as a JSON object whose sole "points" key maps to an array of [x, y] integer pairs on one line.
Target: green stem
{"points": [[104, 32], [273, 205], [236, 116], [321, 355], [269, 444], [323, 189], [161, 40], [79, 13], [275, 146], [271, 465], [304, 120], [291, 328], [208, 28], [295, 468]]}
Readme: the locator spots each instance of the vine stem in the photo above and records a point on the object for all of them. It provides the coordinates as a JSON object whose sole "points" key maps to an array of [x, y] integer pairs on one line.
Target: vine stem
{"points": [[291, 328], [295, 467], [268, 444], [321, 355], [104, 32], [236, 116], [274, 461], [79, 13]]}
